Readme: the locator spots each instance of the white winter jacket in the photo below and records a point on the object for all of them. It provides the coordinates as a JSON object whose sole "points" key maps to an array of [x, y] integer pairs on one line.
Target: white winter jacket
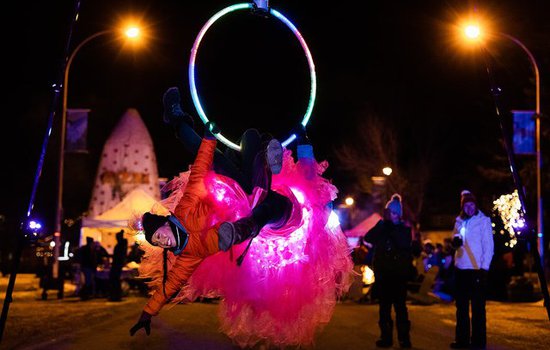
{"points": [[478, 247]]}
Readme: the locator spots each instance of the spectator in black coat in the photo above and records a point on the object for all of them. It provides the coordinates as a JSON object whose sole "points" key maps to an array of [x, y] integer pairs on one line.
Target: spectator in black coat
{"points": [[392, 262], [119, 260], [86, 256]]}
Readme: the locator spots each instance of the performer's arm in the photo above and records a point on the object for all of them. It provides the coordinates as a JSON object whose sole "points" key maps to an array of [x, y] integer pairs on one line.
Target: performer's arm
{"points": [[192, 208], [178, 275], [180, 272]]}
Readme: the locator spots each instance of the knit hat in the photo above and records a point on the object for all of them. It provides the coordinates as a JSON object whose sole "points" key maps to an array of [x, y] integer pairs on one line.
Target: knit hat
{"points": [[465, 197], [151, 223], [394, 204]]}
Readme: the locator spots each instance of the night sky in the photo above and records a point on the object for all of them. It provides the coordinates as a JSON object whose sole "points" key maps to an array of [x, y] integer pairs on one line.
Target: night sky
{"points": [[392, 59]]}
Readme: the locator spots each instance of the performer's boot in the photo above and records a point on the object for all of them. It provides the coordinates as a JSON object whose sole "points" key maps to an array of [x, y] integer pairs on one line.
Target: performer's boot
{"points": [[403, 334], [386, 335], [230, 233], [274, 156], [173, 114]]}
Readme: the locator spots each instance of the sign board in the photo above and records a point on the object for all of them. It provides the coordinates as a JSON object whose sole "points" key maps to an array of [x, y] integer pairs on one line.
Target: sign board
{"points": [[524, 132]]}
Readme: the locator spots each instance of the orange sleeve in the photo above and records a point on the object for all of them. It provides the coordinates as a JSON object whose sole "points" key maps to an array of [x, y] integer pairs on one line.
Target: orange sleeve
{"points": [[192, 209], [182, 269]]}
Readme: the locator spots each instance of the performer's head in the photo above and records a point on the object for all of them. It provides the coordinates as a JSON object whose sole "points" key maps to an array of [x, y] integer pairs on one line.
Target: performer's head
{"points": [[164, 232], [158, 231]]}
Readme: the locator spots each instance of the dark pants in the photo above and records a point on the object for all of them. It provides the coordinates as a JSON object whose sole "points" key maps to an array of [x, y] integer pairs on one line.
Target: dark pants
{"points": [[115, 289], [392, 291], [471, 287], [275, 208], [89, 282], [248, 167]]}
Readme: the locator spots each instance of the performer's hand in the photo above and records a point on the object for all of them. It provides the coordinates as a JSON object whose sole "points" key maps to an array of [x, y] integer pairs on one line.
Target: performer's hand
{"points": [[143, 322]]}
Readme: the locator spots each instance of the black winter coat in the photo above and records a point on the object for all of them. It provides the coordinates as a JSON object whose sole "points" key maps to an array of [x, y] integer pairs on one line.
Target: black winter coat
{"points": [[392, 249]]}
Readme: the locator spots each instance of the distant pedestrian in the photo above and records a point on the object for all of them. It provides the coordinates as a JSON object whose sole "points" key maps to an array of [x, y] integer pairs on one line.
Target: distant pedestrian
{"points": [[87, 258], [473, 241], [119, 260], [392, 264]]}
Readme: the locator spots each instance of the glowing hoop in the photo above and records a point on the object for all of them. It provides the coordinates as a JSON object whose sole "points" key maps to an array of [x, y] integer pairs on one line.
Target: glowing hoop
{"points": [[194, 50]]}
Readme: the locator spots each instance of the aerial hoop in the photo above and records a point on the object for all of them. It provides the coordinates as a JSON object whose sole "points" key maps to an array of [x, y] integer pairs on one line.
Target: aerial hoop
{"points": [[262, 6]]}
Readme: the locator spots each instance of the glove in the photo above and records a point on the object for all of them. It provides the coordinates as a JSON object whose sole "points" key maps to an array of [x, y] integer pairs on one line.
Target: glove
{"points": [[143, 322], [457, 241]]}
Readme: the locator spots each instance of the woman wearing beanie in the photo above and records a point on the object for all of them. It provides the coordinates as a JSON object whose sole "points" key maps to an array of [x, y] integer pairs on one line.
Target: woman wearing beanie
{"points": [[391, 240], [473, 241]]}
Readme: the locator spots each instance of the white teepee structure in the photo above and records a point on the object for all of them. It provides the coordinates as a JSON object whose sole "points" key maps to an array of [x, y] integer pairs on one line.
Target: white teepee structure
{"points": [[127, 162]]}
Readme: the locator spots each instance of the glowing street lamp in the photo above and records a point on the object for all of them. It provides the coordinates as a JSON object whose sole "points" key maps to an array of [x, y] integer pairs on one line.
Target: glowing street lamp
{"points": [[387, 171], [473, 32], [130, 32], [349, 201]]}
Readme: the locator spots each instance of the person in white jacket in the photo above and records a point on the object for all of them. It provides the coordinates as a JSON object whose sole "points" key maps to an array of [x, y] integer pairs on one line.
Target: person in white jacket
{"points": [[473, 241]]}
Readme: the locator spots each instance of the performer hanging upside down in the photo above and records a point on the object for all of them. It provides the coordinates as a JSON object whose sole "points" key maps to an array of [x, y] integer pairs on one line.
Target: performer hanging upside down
{"points": [[298, 264], [190, 234]]}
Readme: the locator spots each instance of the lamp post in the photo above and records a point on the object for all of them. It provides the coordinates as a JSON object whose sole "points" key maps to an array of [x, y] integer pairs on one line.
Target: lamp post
{"points": [[131, 32], [474, 32], [538, 253], [540, 227]]}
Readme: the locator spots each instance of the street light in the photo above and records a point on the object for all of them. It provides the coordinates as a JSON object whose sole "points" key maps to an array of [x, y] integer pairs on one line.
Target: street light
{"points": [[474, 32], [130, 32]]}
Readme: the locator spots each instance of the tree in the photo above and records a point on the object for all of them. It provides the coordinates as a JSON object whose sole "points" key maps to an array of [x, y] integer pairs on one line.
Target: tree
{"points": [[378, 144]]}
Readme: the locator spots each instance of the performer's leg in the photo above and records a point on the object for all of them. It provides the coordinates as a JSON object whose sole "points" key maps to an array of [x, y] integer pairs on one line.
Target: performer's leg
{"points": [[275, 209], [262, 156], [251, 151], [183, 125]]}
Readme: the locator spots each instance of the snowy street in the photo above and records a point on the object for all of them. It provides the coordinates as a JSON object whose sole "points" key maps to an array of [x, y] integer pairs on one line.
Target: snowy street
{"points": [[98, 324]]}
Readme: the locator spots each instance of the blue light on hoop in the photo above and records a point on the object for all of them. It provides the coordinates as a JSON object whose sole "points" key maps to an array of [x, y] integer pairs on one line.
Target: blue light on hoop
{"points": [[194, 50]]}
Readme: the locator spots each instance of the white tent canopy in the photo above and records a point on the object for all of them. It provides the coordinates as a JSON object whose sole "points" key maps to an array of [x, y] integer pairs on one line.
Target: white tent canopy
{"points": [[103, 228]]}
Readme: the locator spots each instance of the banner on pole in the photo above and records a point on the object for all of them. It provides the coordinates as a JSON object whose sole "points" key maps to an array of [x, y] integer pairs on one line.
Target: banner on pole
{"points": [[77, 131], [524, 132]]}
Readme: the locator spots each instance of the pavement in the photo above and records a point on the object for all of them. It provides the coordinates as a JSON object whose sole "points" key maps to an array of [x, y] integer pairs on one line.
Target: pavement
{"points": [[98, 324]]}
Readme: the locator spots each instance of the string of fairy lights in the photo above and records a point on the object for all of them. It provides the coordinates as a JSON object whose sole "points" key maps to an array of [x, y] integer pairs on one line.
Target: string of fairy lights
{"points": [[508, 206]]}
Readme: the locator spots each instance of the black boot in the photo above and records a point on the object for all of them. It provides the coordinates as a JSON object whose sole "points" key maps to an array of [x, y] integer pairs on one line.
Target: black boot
{"points": [[386, 335], [403, 334], [230, 233], [173, 114]]}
